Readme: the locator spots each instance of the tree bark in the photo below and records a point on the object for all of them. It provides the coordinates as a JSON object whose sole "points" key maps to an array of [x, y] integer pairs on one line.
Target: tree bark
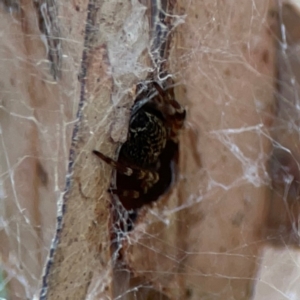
{"points": [[68, 75]]}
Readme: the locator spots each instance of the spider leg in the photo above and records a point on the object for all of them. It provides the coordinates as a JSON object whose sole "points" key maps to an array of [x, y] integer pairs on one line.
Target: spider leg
{"points": [[168, 96], [148, 181], [145, 186], [144, 175], [115, 164], [125, 193], [174, 113]]}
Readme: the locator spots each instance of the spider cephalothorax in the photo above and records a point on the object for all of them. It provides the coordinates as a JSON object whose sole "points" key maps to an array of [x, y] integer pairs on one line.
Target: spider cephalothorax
{"points": [[145, 166]]}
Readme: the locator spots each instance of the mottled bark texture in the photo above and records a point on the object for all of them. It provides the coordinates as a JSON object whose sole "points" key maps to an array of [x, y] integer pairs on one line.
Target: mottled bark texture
{"points": [[67, 77]]}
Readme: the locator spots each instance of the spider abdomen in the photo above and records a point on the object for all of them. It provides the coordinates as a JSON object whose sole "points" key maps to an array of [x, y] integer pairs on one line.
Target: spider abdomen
{"points": [[146, 139]]}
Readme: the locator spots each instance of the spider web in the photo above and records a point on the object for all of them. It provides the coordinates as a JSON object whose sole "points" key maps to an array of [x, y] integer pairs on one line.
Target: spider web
{"points": [[229, 227]]}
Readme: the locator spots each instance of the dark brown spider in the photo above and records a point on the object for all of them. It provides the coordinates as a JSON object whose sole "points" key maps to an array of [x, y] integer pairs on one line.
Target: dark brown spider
{"points": [[146, 162]]}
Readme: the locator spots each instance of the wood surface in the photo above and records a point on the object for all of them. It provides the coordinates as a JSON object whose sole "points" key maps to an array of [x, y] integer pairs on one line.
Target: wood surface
{"points": [[67, 89]]}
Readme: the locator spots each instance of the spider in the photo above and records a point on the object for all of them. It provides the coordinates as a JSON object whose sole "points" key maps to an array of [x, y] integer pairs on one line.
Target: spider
{"points": [[147, 160]]}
